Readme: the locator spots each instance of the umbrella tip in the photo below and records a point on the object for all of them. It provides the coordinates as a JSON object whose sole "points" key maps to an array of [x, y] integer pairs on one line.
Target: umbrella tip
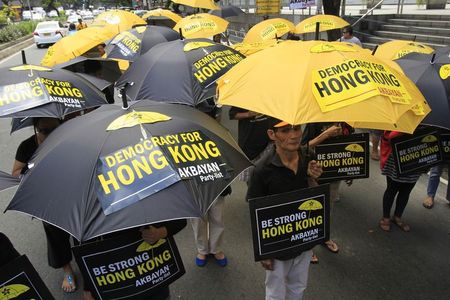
{"points": [[433, 58], [181, 34], [374, 50], [124, 94]]}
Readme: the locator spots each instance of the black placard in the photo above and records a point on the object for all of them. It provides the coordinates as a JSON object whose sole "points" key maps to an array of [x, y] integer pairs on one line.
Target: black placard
{"points": [[20, 281], [128, 268], [344, 157], [289, 223], [445, 141], [418, 152]]}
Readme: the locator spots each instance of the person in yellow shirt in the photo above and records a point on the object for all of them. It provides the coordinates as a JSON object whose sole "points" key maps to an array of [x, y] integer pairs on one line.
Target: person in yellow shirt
{"points": [[81, 25]]}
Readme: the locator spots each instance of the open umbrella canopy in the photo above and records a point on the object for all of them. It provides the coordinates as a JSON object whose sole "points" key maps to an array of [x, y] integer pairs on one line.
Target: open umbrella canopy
{"points": [[130, 44], [119, 20], [208, 4], [159, 12], [34, 91], [393, 50], [431, 74], [130, 167], [326, 22], [104, 68], [201, 26], [7, 181], [227, 11], [268, 30], [182, 71], [317, 81], [75, 45]]}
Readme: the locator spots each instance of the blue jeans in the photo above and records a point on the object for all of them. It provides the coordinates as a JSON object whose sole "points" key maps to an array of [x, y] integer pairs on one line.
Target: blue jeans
{"points": [[433, 182]]}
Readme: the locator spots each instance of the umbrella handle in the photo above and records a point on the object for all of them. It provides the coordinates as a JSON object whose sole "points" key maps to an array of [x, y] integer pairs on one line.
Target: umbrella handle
{"points": [[124, 94]]}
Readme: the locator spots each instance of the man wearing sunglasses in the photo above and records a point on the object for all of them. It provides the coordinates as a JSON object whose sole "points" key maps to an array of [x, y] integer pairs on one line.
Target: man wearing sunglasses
{"points": [[347, 36], [285, 168]]}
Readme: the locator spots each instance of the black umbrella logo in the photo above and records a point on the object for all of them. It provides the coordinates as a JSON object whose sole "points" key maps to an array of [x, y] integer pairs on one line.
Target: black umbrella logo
{"points": [[144, 246]]}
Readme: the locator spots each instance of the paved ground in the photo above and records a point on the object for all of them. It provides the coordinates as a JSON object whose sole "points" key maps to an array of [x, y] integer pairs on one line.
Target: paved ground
{"points": [[370, 265]]}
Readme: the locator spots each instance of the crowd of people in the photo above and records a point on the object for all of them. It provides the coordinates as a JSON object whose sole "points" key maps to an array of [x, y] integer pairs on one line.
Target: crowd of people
{"points": [[283, 160]]}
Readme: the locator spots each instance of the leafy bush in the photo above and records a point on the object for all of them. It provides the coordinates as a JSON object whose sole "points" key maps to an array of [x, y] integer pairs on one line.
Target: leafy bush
{"points": [[15, 31], [3, 18]]}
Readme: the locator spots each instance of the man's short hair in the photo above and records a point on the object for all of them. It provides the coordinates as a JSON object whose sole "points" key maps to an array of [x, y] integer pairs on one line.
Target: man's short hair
{"points": [[348, 29]]}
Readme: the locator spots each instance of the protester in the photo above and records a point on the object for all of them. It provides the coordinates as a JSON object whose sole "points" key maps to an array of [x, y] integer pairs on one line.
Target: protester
{"points": [[81, 25], [375, 136], [284, 168], [58, 243], [315, 134], [252, 135], [399, 186], [433, 183], [101, 49], [208, 231], [347, 36], [72, 29], [150, 234], [8, 253]]}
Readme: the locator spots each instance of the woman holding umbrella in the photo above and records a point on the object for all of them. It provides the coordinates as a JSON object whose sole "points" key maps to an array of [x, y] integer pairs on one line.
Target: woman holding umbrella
{"points": [[58, 244]]}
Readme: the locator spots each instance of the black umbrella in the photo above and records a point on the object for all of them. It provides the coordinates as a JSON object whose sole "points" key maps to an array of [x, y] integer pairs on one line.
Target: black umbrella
{"points": [[182, 71], [131, 44], [113, 169], [227, 11], [161, 21], [7, 181], [431, 74], [104, 68], [33, 91]]}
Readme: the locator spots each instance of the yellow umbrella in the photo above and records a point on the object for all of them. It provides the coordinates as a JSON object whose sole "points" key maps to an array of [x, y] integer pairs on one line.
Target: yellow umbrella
{"points": [[201, 26], [251, 48], [326, 22], [75, 45], [393, 50], [317, 81], [209, 4], [159, 12], [121, 19], [268, 29]]}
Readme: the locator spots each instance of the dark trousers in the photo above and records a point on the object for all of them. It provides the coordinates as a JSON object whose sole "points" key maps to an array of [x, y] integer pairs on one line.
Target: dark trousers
{"points": [[399, 189], [7, 251], [58, 246]]}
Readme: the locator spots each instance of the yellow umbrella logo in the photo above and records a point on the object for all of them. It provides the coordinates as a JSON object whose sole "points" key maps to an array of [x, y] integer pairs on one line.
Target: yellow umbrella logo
{"points": [[12, 291], [354, 148], [136, 118], [330, 47], [311, 204], [144, 246], [444, 71], [195, 45], [429, 139]]}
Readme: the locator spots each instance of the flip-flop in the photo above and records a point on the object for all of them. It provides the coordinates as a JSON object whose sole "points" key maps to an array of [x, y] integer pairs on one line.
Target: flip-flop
{"points": [[69, 278], [402, 225], [385, 225], [428, 205], [331, 246], [314, 259]]}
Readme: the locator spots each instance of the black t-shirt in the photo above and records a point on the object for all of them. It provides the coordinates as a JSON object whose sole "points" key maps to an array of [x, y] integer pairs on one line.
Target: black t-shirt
{"points": [[271, 177], [26, 150], [7, 253], [252, 133]]}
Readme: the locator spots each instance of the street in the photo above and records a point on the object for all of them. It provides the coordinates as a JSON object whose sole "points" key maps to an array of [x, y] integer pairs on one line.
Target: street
{"points": [[371, 264]]}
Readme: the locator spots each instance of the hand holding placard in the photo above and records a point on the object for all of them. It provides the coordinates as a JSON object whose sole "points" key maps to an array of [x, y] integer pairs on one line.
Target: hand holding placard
{"points": [[153, 234], [314, 169]]}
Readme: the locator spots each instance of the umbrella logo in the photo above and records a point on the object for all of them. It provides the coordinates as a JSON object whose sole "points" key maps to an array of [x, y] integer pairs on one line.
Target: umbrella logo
{"points": [[144, 246], [354, 148], [136, 118], [418, 109], [429, 139], [311, 204], [444, 71], [29, 67], [329, 47], [12, 291], [195, 45]]}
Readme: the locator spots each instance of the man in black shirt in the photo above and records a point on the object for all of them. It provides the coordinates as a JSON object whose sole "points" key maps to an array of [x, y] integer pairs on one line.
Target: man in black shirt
{"points": [[284, 169]]}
